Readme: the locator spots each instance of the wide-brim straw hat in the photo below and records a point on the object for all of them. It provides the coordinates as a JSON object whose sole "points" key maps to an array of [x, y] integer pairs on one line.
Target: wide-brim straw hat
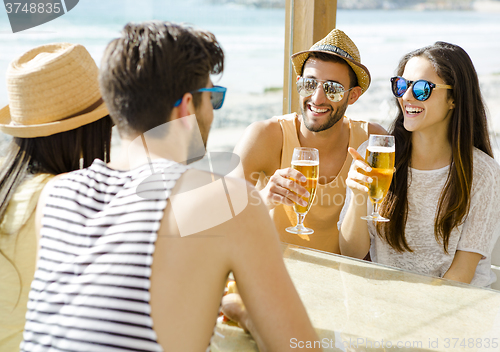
{"points": [[52, 88], [339, 44]]}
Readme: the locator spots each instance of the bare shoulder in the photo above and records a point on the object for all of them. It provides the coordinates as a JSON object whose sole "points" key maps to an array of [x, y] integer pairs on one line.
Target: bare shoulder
{"points": [[486, 169], [260, 147], [203, 202], [375, 128], [262, 135]]}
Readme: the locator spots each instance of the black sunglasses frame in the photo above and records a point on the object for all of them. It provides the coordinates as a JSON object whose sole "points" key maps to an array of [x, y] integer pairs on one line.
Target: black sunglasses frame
{"points": [[411, 84]]}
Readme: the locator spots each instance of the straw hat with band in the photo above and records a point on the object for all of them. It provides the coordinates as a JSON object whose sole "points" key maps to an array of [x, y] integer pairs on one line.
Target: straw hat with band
{"points": [[52, 88], [339, 44]]}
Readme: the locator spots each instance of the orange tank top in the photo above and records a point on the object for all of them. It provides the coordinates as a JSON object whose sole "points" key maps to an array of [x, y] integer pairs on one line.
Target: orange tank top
{"points": [[324, 213]]}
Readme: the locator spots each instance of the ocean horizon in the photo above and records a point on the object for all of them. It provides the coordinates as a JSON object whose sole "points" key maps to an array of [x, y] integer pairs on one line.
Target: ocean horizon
{"points": [[253, 41], [253, 38]]}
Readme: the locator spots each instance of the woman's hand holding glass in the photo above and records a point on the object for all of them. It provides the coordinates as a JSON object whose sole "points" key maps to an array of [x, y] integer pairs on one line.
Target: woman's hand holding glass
{"points": [[376, 178], [358, 176]]}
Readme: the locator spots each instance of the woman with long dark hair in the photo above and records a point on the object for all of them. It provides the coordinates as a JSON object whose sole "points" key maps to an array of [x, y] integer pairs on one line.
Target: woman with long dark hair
{"points": [[444, 200], [59, 123]]}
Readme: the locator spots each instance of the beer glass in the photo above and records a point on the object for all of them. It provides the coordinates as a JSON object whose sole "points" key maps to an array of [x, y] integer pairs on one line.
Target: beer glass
{"points": [[380, 154], [306, 161]]}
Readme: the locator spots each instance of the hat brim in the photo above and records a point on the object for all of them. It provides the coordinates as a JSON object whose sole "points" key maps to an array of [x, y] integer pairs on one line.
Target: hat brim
{"points": [[48, 129], [362, 73]]}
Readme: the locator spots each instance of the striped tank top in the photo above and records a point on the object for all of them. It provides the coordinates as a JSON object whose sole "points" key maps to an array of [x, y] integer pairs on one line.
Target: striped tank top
{"points": [[91, 286]]}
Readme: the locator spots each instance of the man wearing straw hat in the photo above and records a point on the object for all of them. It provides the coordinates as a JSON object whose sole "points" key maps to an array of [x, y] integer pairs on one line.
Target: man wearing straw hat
{"points": [[330, 77]]}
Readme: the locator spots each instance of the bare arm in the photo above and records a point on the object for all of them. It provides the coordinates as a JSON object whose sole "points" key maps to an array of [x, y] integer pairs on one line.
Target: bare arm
{"points": [[480, 230], [189, 275], [266, 288], [354, 239], [463, 267], [260, 152]]}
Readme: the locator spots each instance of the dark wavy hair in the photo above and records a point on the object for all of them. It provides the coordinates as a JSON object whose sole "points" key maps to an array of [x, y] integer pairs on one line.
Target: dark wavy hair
{"points": [[468, 128], [55, 154], [153, 64]]}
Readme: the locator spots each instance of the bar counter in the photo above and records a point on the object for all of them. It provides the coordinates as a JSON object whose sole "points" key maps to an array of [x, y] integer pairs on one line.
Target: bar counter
{"points": [[356, 305]]}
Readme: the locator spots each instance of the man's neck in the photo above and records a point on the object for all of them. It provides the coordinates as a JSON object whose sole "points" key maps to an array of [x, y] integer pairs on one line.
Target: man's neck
{"points": [[332, 145], [328, 141], [178, 140], [134, 153]]}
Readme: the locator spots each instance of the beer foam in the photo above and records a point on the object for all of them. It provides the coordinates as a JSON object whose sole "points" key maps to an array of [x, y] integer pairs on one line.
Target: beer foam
{"points": [[305, 162], [379, 149]]}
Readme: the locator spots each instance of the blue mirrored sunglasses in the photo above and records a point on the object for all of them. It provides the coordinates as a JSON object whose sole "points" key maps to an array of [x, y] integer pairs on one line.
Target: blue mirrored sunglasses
{"points": [[420, 89], [217, 96]]}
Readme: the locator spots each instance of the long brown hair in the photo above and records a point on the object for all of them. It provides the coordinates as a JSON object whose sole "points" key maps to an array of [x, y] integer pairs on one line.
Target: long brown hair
{"points": [[54, 155], [468, 128]]}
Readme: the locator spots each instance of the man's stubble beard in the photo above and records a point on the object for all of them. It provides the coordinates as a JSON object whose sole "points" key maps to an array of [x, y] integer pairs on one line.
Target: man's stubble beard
{"points": [[335, 116]]}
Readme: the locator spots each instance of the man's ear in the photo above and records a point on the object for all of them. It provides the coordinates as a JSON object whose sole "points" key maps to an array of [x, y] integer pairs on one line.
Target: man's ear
{"points": [[354, 94], [185, 108]]}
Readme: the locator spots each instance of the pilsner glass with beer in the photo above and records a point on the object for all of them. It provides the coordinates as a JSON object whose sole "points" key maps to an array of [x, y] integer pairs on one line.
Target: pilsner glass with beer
{"points": [[306, 161], [380, 154]]}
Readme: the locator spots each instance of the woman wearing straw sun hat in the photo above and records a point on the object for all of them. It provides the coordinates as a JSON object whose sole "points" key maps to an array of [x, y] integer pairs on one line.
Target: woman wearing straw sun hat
{"points": [[59, 123]]}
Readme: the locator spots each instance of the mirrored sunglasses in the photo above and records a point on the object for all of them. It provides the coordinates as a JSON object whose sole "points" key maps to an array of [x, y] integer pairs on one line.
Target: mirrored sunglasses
{"points": [[420, 89], [217, 97], [334, 91]]}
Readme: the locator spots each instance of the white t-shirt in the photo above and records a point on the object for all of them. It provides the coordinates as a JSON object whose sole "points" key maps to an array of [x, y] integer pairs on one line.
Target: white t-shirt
{"points": [[477, 234]]}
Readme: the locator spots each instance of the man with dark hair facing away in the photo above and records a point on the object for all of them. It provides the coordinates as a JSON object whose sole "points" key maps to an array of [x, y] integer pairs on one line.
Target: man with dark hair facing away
{"points": [[135, 253]]}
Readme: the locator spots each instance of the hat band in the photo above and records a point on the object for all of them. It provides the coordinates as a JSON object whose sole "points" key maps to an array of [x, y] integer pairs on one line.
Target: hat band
{"points": [[87, 110], [82, 112], [332, 48]]}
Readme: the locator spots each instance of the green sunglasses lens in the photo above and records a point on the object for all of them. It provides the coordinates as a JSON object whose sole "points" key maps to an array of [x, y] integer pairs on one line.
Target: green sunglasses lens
{"points": [[216, 99], [217, 96]]}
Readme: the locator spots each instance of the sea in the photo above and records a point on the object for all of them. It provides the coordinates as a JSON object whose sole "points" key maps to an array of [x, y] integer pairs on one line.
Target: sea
{"points": [[253, 38]]}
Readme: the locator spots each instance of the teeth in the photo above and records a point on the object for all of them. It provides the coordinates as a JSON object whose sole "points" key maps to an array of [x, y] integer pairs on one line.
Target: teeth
{"points": [[414, 110], [320, 111]]}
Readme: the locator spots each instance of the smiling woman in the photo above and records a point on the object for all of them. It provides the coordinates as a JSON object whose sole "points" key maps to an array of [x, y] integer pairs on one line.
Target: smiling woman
{"points": [[424, 108], [443, 202]]}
